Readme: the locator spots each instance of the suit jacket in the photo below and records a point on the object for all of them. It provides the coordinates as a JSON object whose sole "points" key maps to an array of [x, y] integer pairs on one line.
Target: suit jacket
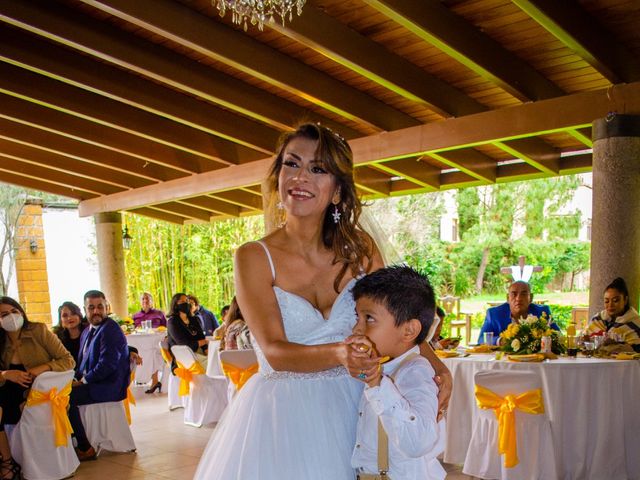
{"points": [[103, 361], [498, 319], [208, 320]]}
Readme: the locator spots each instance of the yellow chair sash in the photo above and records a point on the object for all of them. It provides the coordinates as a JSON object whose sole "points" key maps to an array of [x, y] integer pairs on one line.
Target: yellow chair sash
{"points": [[186, 375], [59, 402], [504, 408], [129, 400], [238, 376]]}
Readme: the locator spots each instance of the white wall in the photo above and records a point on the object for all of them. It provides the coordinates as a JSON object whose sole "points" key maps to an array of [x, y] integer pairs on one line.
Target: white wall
{"points": [[71, 261]]}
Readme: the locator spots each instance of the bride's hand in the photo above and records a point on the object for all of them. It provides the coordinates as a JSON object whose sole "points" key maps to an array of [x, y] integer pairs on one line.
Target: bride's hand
{"points": [[445, 385], [360, 343], [359, 363]]}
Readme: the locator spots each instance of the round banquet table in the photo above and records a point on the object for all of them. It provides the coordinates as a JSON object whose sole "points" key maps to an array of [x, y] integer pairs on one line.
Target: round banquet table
{"points": [[148, 345], [592, 405]]}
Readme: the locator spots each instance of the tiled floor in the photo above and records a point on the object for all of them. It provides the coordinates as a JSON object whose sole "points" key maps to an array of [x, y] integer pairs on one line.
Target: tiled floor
{"points": [[167, 448]]}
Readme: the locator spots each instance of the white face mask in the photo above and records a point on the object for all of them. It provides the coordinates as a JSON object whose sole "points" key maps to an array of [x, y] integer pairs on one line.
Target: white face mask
{"points": [[12, 322]]}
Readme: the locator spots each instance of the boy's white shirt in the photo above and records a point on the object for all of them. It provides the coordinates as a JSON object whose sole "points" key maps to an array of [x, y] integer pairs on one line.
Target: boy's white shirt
{"points": [[408, 409]]}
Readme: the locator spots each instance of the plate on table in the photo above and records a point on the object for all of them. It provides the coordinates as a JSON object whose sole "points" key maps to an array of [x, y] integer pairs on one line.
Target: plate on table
{"points": [[626, 356], [483, 348], [447, 353], [533, 357]]}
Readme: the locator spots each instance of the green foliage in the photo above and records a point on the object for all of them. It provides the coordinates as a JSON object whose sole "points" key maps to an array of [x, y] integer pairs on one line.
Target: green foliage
{"points": [[561, 314], [196, 259]]}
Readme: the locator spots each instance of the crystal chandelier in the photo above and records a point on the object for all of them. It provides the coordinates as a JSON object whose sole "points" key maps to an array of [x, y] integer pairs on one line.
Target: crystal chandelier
{"points": [[258, 11]]}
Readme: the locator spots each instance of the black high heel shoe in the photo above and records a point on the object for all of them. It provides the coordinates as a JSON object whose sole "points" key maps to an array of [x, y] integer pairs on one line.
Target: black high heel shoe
{"points": [[10, 466], [154, 387]]}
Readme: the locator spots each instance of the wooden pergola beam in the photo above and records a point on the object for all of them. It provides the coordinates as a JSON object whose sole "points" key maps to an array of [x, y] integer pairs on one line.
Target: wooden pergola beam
{"points": [[582, 33], [61, 163], [469, 161], [356, 52], [94, 38], [224, 44], [240, 199], [214, 205], [159, 215], [372, 181], [436, 24], [535, 152], [413, 170], [558, 114], [43, 185], [80, 71], [116, 162], [36, 116]]}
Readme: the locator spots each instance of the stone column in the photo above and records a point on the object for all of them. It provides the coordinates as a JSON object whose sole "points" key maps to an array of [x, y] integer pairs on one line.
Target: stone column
{"points": [[31, 263], [113, 281], [615, 237]]}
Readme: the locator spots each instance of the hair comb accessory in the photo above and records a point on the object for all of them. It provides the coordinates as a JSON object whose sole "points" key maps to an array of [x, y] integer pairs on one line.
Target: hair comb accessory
{"points": [[335, 134]]}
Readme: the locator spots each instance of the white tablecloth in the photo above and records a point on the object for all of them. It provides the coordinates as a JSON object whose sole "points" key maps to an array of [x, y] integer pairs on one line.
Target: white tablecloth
{"points": [[149, 349], [592, 405]]}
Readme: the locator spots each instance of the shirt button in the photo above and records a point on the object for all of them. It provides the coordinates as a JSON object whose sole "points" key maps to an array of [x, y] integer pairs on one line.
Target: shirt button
{"points": [[358, 445], [360, 413], [412, 418]]}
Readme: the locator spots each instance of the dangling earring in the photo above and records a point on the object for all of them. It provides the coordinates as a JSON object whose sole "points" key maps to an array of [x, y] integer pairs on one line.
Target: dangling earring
{"points": [[280, 205], [336, 214]]}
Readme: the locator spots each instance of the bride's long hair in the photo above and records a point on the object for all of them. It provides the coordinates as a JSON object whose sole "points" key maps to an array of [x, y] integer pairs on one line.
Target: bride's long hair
{"points": [[351, 246]]}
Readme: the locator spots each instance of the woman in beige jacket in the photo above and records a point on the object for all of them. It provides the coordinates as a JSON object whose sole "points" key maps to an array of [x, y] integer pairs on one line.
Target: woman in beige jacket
{"points": [[26, 350]]}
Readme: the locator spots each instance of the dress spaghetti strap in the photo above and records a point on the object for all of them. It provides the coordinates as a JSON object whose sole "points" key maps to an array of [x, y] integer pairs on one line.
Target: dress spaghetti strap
{"points": [[266, 250]]}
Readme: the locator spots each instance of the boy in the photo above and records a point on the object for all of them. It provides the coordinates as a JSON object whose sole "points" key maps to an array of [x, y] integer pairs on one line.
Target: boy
{"points": [[395, 307]]}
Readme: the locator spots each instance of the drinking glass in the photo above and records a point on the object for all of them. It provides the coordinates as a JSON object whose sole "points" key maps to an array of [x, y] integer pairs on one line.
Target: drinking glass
{"points": [[589, 347], [488, 338]]}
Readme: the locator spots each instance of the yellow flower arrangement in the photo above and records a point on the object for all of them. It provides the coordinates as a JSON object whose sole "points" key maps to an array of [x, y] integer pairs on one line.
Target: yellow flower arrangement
{"points": [[524, 336]]}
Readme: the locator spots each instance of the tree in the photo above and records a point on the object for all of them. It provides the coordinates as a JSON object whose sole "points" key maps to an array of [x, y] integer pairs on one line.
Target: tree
{"points": [[11, 204]]}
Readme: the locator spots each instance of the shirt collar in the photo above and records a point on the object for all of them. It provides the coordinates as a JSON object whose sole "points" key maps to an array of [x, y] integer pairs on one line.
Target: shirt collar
{"points": [[391, 366]]}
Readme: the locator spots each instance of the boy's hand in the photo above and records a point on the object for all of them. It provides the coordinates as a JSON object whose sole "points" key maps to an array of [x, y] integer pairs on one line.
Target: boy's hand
{"points": [[366, 366]]}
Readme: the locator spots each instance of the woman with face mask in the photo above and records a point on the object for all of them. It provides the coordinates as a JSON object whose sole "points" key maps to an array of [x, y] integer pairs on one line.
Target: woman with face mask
{"points": [[184, 329], [26, 350]]}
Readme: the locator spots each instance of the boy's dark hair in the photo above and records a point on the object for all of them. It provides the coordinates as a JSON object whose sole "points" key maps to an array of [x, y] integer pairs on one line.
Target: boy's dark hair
{"points": [[441, 313], [403, 291]]}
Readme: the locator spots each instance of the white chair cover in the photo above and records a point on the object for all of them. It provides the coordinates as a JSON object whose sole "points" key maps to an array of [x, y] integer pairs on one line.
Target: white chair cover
{"points": [[533, 432], [107, 427], [213, 359], [170, 381], [32, 439], [239, 359], [207, 397]]}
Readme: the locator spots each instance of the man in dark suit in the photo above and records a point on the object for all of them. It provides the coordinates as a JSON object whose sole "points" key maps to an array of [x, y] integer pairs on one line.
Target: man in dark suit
{"points": [[207, 318], [519, 305], [103, 369]]}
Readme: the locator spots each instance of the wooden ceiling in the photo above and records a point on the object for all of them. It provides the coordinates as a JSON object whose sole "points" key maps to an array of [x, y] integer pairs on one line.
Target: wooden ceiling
{"points": [[165, 109]]}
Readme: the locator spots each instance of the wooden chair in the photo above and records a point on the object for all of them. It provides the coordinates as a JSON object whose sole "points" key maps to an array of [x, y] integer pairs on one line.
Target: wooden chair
{"points": [[580, 317], [451, 304]]}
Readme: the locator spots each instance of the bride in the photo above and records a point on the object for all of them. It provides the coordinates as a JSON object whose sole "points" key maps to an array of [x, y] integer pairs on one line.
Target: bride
{"points": [[296, 418]]}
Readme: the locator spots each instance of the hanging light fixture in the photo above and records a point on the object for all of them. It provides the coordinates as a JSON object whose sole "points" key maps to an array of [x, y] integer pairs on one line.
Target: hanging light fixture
{"points": [[258, 11], [126, 238]]}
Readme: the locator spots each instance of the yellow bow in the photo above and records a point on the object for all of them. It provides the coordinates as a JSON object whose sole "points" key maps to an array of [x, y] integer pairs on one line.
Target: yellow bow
{"points": [[185, 375], [239, 376], [527, 402], [166, 356], [59, 402], [129, 400]]}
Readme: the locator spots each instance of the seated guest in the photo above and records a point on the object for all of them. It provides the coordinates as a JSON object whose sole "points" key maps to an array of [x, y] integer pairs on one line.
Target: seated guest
{"points": [[26, 350], [236, 335], [158, 319], [184, 329], [207, 319], [618, 316], [147, 312], [71, 324], [518, 306], [103, 370]]}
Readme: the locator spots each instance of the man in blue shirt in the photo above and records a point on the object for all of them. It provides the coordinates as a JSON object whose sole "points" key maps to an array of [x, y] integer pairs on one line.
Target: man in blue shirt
{"points": [[518, 306], [207, 319]]}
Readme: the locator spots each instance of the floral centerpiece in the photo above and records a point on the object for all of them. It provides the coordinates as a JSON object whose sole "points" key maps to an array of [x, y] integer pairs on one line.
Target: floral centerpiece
{"points": [[126, 324], [525, 336]]}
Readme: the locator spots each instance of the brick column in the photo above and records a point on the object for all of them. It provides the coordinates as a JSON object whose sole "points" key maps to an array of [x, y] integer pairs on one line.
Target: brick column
{"points": [[31, 266]]}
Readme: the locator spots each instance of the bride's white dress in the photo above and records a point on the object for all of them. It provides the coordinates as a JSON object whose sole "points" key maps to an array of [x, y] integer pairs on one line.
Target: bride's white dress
{"points": [[286, 425]]}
